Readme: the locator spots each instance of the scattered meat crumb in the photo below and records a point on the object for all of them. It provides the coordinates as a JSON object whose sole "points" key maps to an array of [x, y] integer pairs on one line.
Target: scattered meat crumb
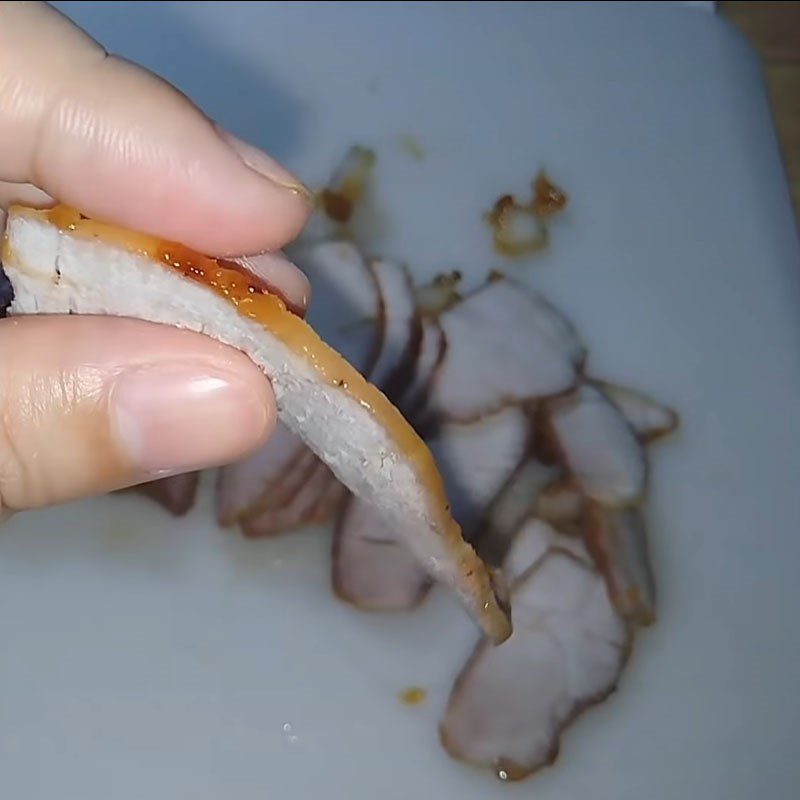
{"points": [[519, 229], [412, 696]]}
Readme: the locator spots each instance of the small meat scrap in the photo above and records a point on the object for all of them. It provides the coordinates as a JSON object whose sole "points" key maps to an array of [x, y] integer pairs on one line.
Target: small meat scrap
{"points": [[516, 230], [548, 199], [348, 183], [519, 228]]}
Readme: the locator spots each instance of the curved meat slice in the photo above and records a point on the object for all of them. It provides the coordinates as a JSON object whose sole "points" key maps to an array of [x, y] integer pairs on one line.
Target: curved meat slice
{"points": [[402, 330], [372, 567], [332, 500], [431, 352], [511, 506], [523, 347], [349, 320], [298, 511], [59, 262], [561, 505], [175, 493], [475, 460], [649, 419], [617, 540], [598, 447], [534, 539], [241, 485], [510, 704]]}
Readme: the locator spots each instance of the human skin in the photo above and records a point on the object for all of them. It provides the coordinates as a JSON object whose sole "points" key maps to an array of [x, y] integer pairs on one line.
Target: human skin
{"points": [[91, 405]]}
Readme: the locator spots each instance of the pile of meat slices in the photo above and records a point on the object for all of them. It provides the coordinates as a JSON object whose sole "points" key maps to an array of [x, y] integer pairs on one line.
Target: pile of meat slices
{"points": [[546, 470]]}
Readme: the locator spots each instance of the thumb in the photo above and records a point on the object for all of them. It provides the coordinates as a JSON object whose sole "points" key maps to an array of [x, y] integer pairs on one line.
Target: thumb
{"points": [[89, 405]]}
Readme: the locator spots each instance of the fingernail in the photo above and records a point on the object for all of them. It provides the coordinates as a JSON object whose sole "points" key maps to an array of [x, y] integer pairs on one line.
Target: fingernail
{"points": [[282, 277], [170, 418], [265, 165]]}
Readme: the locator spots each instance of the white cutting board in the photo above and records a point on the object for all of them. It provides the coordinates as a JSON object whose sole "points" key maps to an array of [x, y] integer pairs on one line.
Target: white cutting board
{"points": [[148, 658]]}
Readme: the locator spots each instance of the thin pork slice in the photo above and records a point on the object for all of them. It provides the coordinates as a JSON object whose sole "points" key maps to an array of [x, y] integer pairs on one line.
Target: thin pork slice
{"points": [[532, 541], [242, 484], [402, 331], [650, 419], [511, 506], [372, 567], [561, 505], [617, 540], [60, 262], [332, 500], [297, 512], [598, 447], [431, 352], [510, 704], [475, 460], [348, 318], [522, 347], [176, 493]]}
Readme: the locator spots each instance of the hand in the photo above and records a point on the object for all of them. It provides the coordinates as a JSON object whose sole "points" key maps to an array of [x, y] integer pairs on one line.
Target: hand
{"points": [[90, 405]]}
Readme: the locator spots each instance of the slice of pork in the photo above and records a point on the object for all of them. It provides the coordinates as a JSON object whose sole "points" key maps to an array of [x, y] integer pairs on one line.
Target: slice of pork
{"points": [[510, 704], [176, 493], [348, 316], [431, 352], [561, 505], [299, 509], [372, 567], [617, 540], [475, 460], [650, 419], [598, 447], [241, 485], [402, 331], [532, 541], [58, 262], [505, 344], [511, 506]]}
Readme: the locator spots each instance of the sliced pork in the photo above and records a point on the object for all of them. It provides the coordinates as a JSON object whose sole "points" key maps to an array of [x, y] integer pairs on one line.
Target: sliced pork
{"points": [[510, 704]]}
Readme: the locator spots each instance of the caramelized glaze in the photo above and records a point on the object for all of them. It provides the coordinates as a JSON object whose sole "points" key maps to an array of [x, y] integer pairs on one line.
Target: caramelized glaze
{"points": [[547, 197], [252, 301]]}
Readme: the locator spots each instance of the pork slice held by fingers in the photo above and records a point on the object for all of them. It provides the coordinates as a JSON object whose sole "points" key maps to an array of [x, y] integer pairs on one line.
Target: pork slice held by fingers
{"points": [[372, 565], [348, 316], [61, 262]]}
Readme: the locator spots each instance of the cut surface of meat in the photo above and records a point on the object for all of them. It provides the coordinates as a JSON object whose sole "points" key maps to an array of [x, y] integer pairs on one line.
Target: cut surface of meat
{"points": [[523, 348], [599, 448], [617, 540], [510, 704], [475, 460], [372, 567], [511, 506], [532, 541], [60, 262], [348, 318]]}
